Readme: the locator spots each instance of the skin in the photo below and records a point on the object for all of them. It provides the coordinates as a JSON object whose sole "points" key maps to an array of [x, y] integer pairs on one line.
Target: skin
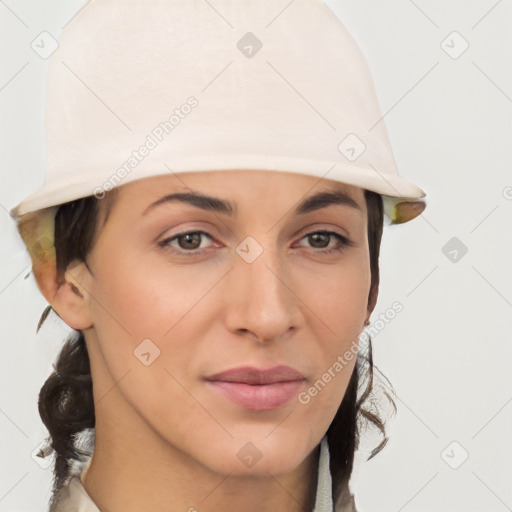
{"points": [[166, 441]]}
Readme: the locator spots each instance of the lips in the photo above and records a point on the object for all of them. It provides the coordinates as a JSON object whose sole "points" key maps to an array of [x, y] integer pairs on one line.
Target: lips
{"points": [[258, 389], [255, 376]]}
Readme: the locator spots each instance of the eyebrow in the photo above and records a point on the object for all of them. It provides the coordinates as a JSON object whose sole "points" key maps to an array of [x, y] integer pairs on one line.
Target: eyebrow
{"points": [[313, 203]]}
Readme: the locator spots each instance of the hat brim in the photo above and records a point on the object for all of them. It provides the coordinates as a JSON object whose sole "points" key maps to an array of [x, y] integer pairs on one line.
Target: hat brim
{"points": [[402, 198]]}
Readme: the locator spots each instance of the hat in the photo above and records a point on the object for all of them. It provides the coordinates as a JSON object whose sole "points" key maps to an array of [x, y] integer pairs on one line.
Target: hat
{"points": [[140, 88]]}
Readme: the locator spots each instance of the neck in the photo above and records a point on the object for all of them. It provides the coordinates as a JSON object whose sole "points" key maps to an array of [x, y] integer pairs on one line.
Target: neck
{"points": [[134, 469]]}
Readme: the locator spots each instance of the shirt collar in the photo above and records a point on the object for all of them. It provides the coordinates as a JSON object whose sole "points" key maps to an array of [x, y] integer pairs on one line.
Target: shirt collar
{"points": [[323, 501]]}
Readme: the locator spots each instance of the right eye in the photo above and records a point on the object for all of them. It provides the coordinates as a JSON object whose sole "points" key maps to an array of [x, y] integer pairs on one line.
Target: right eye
{"points": [[188, 242]]}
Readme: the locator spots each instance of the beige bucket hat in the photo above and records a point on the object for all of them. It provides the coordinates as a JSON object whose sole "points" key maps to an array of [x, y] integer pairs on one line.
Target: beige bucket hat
{"points": [[140, 88]]}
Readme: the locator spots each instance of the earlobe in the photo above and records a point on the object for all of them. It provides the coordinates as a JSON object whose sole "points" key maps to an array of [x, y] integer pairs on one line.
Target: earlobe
{"points": [[72, 299], [68, 295]]}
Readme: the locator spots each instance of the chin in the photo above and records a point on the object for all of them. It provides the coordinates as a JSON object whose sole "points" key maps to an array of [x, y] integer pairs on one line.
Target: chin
{"points": [[258, 456]]}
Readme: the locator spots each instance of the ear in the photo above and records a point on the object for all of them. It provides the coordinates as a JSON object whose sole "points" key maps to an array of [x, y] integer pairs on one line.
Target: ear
{"points": [[68, 296]]}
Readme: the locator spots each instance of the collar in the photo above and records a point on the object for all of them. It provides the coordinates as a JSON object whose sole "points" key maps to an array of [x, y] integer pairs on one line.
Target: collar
{"points": [[323, 501]]}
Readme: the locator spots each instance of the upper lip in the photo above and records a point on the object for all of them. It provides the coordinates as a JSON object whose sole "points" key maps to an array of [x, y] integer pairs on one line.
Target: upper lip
{"points": [[253, 375]]}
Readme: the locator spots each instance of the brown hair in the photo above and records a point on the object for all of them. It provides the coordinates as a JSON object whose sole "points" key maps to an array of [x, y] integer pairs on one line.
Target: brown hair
{"points": [[66, 404]]}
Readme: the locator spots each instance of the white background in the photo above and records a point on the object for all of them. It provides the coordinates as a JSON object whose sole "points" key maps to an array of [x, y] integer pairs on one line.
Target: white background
{"points": [[447, 353]]}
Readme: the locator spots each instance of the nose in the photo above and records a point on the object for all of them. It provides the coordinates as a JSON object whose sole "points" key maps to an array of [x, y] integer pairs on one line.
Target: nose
{"points": [[263, 299]]}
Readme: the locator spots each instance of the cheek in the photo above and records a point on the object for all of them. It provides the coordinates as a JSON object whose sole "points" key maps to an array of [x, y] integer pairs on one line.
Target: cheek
{"points": [[148, 322], [144, 300], [138, 322], [338, 294], [338, 302]]}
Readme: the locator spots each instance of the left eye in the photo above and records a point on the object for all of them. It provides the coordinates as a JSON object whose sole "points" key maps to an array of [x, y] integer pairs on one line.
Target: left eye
{"points": [[191, 240], [319, 236]]}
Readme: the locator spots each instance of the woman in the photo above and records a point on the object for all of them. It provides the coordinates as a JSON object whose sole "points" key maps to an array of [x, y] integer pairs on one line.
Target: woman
{"points": [[210, 228]]}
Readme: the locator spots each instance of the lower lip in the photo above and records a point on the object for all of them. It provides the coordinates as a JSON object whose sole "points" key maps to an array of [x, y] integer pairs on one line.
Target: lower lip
{"points": [[259, 397]]}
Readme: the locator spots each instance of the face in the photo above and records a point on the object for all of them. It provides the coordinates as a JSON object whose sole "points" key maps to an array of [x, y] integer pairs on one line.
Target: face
{"points": [[180, 293]]}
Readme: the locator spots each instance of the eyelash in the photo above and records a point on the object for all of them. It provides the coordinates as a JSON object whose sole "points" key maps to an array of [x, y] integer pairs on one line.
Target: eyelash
{"points": [[345, 242]]}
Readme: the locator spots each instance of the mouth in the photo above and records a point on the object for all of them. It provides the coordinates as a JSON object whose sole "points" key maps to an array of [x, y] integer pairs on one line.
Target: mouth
{"points": [[258, 389]]}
